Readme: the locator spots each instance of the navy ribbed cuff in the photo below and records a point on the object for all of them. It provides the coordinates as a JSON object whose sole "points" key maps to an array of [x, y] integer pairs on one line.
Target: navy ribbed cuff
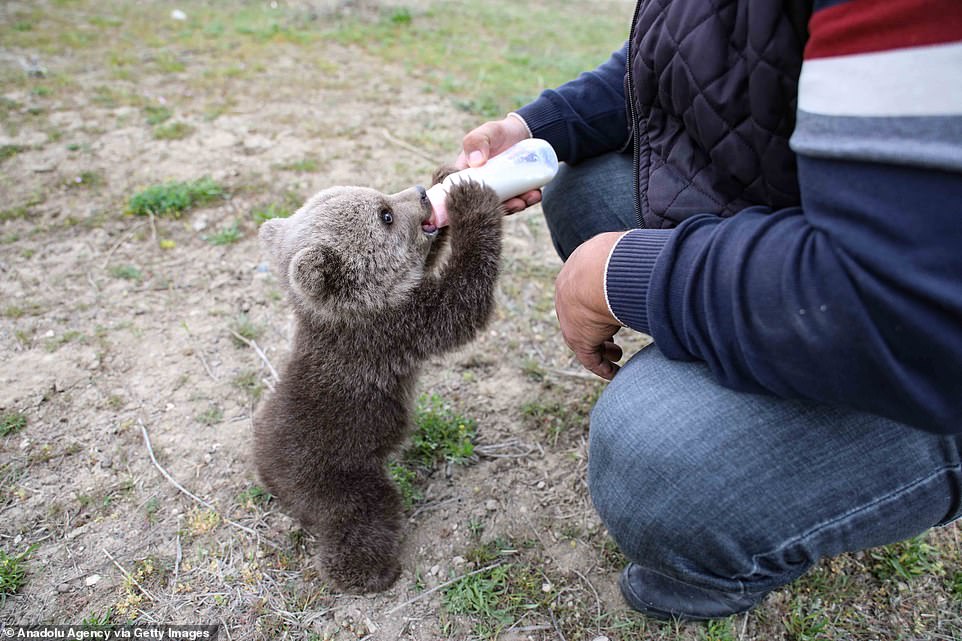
{"points": [[628, 275], [546, 122]]}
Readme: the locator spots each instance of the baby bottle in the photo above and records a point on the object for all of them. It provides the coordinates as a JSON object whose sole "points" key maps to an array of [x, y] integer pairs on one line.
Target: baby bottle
{"points": [[529, 164]]}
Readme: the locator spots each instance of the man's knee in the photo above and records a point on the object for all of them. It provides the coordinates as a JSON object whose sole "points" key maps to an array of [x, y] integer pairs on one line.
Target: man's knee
{"points": [[659, 493]]}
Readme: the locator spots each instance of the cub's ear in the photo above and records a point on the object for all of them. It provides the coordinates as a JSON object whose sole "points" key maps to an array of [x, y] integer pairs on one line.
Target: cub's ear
{"points": [[317, 272], [441, 173], [270, 233]]}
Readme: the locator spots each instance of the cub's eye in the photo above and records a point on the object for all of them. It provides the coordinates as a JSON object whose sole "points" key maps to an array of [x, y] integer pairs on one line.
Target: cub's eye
{"points": [[387, 217]]}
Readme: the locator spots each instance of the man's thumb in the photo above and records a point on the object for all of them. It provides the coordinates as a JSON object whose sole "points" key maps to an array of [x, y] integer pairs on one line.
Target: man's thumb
{"points": [[477, 148]]}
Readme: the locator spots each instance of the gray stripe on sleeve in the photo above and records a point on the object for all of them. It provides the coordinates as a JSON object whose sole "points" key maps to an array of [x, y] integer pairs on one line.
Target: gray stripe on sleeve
{"points": [[924, 141]]}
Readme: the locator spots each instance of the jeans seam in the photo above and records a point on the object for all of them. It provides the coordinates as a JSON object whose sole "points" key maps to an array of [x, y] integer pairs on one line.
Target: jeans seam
{"points": [[839, 519]]}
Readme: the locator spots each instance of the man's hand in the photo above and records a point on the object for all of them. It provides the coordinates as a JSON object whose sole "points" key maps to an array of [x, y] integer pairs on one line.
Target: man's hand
{"points": [[490, 139], [586, 324]]}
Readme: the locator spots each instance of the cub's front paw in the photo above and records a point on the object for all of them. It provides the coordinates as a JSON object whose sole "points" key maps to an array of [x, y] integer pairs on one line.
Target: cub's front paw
{"points": [[470, 201], [441, 173]]}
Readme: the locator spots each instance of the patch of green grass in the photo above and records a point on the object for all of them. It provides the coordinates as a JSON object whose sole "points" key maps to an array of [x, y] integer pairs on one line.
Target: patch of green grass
{"points": [[126, 272], [272, 210], [14, 213], [88, 179], [211, 416], [955, 585], [157, 114], [246, 328], [498, 597], [495, 70], [440, 434], [305, 165], [172, 131], [718, 630], [806, 622], [9, 151], [906, 560], [12, 422], [254, 497], [225, 236], [94, 620], [13, 572], [175, 197], [406, 480], [69, 336], [250, 383]]}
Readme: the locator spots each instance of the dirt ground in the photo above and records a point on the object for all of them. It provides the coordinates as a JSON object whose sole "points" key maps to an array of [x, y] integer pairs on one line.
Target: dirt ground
{"points": [[116, 327]]}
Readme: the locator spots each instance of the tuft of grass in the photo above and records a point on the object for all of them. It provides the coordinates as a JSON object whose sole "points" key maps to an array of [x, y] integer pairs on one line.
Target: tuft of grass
{"points": [[9, 151], [14, 213], [906, 560], [250, 383], [12, 422], [172, 131], [126, 272], [253, 497], [13, 572], [245, 327], [226, 236], [440, 434], [87, 179], [406, 480], [211, 416], [809, 623], [157, 114], [305, 165], [175, 197], [498, 597]]}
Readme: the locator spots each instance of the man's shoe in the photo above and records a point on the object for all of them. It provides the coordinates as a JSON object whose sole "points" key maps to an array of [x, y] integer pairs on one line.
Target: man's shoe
{"points": [[660, 597]]}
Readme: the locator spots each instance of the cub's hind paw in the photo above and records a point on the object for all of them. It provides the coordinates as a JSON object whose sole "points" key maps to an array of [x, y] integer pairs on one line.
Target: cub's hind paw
{"points": [[365, 580]]}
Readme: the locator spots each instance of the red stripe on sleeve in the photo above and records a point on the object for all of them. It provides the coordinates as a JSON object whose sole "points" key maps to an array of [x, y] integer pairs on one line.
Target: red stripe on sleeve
{"points": [[865, 26]]}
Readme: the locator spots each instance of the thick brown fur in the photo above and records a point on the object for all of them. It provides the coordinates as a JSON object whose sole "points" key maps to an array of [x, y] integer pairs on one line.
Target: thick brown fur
{"points": [[370, 308]]}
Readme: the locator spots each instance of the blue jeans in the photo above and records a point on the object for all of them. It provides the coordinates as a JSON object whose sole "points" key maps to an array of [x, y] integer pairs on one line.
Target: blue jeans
{"points": [[731, 492]]}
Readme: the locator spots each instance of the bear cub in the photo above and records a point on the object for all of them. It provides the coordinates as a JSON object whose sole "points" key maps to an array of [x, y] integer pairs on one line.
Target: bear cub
{"points": [[372, 301]]}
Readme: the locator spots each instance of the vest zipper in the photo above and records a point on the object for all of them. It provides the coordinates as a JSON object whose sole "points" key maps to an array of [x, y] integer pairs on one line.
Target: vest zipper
{"points": [[630, 98]]}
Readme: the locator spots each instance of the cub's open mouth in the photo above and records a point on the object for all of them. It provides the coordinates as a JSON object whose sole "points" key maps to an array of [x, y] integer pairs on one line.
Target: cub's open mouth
{"points": [[429, 229]]}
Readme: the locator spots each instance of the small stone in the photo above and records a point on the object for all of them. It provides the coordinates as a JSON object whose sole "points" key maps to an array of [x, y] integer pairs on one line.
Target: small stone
{"points": [[63, 587], [601, 638], [435, 570], [92, 580], [459, 560], [491, 505], [177, 14], [371, 627], [542, 485]]}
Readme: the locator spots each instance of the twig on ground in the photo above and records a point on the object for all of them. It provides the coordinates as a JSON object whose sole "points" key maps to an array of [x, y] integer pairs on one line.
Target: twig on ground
{"points": [[153, 228], [491, 451], [253, 345], [207, 504], [593, 590], [409, 147], [441, 587], [120, 242], [433, 506], [554, 623], [130, 577], [177, 560]]}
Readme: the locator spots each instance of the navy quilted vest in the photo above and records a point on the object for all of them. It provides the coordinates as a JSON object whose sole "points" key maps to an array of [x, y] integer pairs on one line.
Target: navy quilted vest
{"points": [[712, 88]]}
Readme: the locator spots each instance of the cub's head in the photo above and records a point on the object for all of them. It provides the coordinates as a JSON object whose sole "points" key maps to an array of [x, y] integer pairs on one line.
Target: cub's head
{"points": [[351, 250]]}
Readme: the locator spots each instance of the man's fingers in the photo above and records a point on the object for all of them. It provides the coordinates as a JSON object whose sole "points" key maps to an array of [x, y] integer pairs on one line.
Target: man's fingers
{"points": [[613, 351]]}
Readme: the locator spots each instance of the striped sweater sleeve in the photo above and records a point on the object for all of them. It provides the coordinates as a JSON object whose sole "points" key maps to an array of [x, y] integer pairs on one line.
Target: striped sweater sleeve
{"points": [[854, 298]]}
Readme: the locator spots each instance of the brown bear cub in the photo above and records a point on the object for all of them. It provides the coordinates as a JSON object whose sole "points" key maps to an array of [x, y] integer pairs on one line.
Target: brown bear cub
{"points": [[371, 303]]}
